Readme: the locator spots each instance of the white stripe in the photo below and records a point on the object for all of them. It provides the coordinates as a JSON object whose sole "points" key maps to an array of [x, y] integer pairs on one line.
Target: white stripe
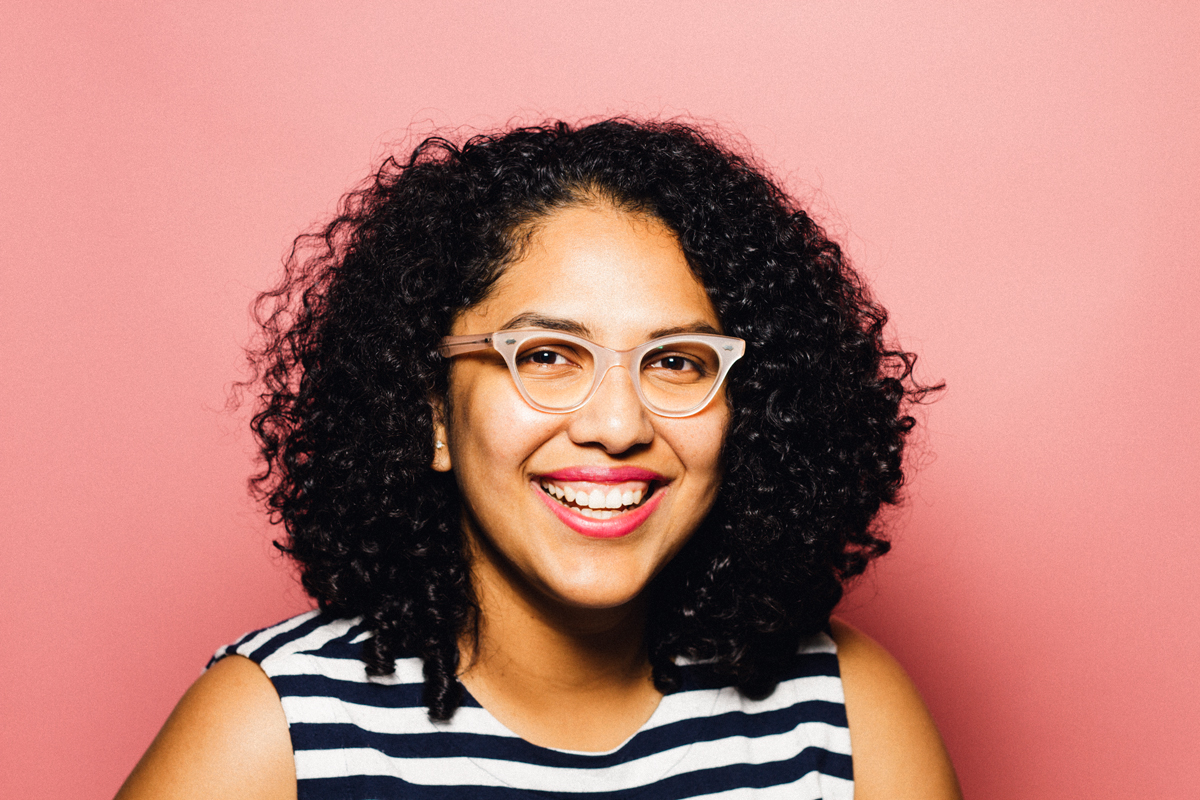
{"points": [[835, 788], [364, 761], [415, 719], [709, 702], [680, 760], [291, 661], [819, 643], [775, 747]]}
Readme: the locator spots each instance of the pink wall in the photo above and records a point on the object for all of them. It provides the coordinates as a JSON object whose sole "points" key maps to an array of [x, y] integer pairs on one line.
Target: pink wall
{"points": [[1020, 180]]}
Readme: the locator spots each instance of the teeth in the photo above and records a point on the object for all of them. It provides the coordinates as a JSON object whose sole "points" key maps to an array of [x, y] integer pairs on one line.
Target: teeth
{"points": [[595, 504]]}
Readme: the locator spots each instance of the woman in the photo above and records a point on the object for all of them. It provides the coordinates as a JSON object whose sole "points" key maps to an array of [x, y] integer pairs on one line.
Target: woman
{"points": [[576, 435]]}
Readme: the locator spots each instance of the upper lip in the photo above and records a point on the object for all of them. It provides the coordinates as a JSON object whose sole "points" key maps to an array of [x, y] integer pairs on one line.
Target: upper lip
{"points": [[603, 475]]}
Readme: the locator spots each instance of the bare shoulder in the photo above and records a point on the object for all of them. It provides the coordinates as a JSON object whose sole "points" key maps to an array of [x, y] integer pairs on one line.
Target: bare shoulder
{"points": [[898, 752], [228, 737]]}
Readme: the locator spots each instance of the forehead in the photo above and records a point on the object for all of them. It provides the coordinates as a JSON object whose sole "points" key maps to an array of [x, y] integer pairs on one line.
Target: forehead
{"points": [[616, 277]]}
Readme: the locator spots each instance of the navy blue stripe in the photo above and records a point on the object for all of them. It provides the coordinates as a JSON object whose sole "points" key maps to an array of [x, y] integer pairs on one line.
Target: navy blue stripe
{"points": [[372, 787], [675, 787], [738, 723], [808, 665], [805, 665]]}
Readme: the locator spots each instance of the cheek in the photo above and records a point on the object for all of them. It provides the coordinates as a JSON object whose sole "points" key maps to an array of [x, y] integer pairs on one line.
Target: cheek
{"points": [[698, 442], [492, 428]]}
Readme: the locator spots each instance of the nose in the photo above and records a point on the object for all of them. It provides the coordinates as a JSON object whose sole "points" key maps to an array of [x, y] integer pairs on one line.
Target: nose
{"points": [[614, 418]]}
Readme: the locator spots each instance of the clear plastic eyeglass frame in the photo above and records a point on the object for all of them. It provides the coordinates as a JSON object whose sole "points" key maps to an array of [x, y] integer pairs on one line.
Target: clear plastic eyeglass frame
{"points": [[508, 344]]}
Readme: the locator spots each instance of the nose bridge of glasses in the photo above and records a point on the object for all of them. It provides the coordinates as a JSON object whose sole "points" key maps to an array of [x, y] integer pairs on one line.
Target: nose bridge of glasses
{"points": [[605, 358], [605, 365]]}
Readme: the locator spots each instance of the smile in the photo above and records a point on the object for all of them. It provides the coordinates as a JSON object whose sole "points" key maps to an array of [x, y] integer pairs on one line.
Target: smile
{"points": [[601, 502], [598, 502]]}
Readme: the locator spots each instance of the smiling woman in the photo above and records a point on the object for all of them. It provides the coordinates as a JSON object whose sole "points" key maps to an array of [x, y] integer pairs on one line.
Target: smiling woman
{"points": [[577, 434]]}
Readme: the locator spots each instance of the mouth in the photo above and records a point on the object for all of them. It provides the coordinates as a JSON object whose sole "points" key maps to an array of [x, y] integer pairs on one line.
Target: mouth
{"points": [[602, 503]]}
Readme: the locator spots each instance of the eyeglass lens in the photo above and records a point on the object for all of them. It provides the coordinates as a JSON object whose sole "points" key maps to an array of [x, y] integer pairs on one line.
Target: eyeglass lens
{"points": [[675, 377]]}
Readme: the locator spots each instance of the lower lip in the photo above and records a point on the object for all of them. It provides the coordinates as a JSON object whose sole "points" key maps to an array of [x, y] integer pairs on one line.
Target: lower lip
{"points": [[612, 528]]}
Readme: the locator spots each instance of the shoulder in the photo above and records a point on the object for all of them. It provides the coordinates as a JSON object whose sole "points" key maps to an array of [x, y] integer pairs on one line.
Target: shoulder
{"points": [[898, 752], [227, 737]]}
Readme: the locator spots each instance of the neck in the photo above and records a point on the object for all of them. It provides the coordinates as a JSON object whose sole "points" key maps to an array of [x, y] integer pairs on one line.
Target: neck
{"points": [[522, 631], [572, 678]]}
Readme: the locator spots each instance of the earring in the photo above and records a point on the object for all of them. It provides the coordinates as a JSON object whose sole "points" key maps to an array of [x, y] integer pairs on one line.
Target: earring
{"points": [[438, 445]]}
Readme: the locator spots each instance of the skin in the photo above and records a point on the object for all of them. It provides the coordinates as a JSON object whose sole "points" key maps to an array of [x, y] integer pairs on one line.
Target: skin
{"points": [[228, 737], [559, 657], [898, 752]]}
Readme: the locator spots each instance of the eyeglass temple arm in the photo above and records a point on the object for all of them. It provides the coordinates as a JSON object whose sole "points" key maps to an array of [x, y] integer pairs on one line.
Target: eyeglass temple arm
{"points": [[451, 346]]}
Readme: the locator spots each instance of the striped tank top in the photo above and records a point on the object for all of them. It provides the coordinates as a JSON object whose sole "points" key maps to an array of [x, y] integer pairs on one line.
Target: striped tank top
{"points": [[356, 736]]}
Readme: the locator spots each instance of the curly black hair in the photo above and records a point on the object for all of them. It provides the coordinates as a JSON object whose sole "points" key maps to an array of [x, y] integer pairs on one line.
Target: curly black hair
{"points": [[348, 363]]}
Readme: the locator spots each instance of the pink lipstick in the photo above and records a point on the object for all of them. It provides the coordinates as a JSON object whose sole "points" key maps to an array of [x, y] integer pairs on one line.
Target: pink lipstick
{"points": [[603, 474], [601, 502]]}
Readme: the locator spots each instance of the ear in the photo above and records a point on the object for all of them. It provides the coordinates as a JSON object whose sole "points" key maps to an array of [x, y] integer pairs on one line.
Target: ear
{"points": [[441, 446]]}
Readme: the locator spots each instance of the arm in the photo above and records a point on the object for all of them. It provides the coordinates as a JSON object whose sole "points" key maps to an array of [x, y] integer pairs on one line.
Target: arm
{"points": [[898, 752], [228, 737]]}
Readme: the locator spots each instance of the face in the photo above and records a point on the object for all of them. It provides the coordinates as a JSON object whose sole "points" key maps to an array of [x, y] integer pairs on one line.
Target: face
{"points": [[618, 280]]}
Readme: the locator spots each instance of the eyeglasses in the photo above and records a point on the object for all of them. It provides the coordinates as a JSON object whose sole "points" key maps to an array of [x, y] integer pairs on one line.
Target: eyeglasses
{"points": [[674, 376]]}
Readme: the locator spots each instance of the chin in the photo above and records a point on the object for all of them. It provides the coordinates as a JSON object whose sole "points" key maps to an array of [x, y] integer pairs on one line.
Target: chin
{"points": [[595, 597]]}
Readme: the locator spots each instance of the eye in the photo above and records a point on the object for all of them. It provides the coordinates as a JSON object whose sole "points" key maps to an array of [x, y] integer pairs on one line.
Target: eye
{"points": [[676, 367], [544, 357], [549, 360], [673, 363]]}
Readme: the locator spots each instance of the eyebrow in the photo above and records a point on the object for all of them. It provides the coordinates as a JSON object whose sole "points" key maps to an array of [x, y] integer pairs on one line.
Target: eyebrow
{"points": [[534, 320], [695, 327]]}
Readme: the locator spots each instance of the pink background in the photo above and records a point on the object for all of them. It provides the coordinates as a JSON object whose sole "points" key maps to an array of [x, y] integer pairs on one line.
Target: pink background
{"points": [[1019, 180]]}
